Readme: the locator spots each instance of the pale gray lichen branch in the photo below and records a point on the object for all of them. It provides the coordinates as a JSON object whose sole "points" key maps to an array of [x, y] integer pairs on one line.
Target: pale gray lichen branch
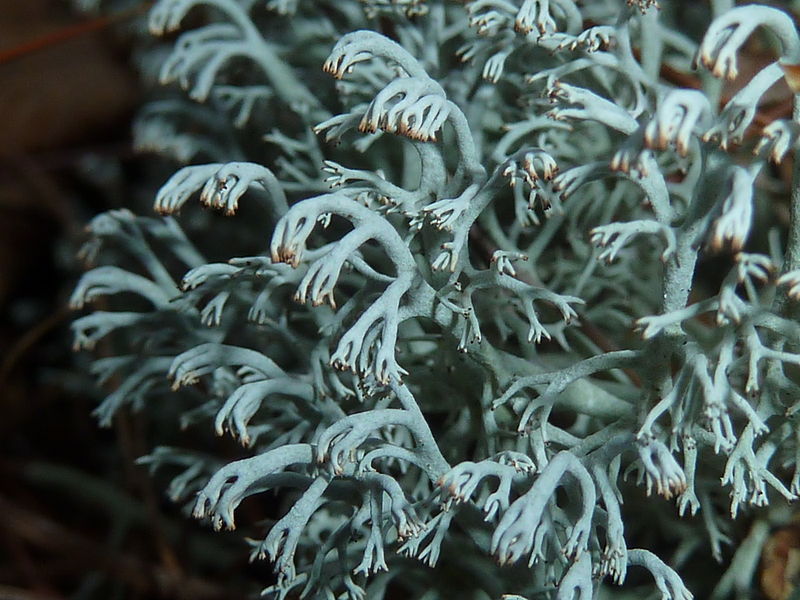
{"points": [[504, 147]]}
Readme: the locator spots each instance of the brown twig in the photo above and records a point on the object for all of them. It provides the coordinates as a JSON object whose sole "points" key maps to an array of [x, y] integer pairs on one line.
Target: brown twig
{"points": [[28, 341], [148, 579], [8, 592], [131, 441], [64, 34], [25, 567]]}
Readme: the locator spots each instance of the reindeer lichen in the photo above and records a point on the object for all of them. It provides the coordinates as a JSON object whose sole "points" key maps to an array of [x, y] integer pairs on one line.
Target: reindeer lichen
{"points": [[501, 272]]}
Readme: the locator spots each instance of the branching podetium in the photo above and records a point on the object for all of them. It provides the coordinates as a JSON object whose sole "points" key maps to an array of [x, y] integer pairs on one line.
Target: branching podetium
{"points": [[470, 331]]}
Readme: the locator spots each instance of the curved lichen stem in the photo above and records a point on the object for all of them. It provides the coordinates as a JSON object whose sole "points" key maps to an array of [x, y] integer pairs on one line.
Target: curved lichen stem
{"points": [[283, 79], [434, 461], [470, 161]]}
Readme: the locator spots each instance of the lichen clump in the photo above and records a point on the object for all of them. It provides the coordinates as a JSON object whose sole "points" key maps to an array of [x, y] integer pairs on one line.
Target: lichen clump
{"points": [[473, 309]]}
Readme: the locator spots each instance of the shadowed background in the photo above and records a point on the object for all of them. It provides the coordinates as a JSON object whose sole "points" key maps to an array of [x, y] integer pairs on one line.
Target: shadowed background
{"points": [[77, 518]]}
